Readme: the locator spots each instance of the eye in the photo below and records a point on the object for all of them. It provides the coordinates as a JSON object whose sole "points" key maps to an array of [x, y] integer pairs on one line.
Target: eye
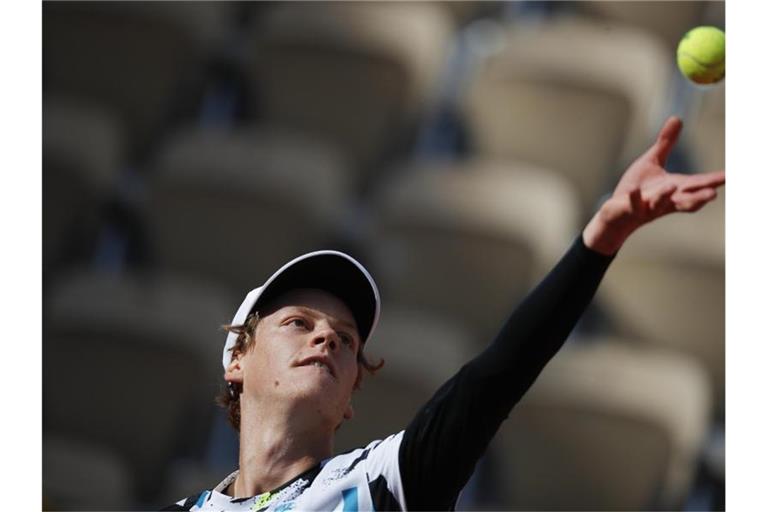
{"points": [[298, 322], [346, 339]]}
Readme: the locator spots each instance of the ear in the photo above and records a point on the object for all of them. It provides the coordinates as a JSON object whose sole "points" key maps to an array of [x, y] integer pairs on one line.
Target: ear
{"points": [[234, 372]]}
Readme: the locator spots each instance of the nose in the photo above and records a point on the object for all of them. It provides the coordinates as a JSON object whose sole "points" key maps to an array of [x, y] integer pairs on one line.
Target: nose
{"points": [[326, 335]]}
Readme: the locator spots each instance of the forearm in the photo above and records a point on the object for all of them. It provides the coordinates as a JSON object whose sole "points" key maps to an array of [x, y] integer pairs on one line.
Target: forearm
{"points": [[466, 412], [539, 326]]}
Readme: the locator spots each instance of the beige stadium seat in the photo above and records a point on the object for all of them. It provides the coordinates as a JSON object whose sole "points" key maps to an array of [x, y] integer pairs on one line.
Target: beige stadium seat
{"points": [[420, 353], [132, 364], [356, 73], [80, 475], [145, 60], [231, 206], [667, 288], [464, 12], [605, 427], [569, 95], [467, 241], [668, 20], [82, 156]]}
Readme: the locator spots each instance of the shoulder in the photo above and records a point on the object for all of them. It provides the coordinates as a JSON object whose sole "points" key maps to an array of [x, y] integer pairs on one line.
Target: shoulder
{"points": [[372, 473], [376, 453]]}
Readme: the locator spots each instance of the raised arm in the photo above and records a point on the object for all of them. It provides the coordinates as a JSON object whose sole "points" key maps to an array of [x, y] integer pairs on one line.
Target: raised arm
{"points": [[450, 433], [647, 191]]}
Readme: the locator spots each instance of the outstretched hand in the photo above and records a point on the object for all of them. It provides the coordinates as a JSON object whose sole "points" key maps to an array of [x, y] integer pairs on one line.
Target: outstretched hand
{"points": [[647, 191]]}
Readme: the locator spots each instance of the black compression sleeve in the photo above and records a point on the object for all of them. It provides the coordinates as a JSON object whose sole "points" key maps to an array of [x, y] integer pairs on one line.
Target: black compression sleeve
{"points": [[449, 434]]}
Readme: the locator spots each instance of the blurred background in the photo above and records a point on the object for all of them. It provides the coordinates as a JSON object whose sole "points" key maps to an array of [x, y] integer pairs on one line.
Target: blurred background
{"points": [[455, 148]]}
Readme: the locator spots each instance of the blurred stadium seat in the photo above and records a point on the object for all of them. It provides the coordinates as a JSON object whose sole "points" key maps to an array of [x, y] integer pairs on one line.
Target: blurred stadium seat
{"points": [[357, 74], [464, 12], [82, 155], [231, 206], [130, 365], [667, 289], [569, 95], [704, 132], [144, 60], [465, 241], [669, 19], [606, 427], [80, 475]]}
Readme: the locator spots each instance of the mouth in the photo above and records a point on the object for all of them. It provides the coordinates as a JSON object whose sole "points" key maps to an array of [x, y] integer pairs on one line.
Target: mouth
{"points": [[320, 362]]}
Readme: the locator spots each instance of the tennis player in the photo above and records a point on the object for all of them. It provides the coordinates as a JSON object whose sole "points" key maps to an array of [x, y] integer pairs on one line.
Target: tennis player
{"points": [[295, 353]]}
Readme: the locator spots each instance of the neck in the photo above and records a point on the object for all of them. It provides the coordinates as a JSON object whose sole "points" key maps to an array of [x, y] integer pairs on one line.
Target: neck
{"points": [[277, 446]]}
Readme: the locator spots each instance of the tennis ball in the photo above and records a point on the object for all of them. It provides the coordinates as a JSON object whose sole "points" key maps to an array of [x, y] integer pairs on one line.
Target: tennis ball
{"points": [[701, 55]]}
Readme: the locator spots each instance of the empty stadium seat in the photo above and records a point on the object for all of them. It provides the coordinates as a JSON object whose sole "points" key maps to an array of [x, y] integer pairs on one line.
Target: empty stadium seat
{"points": [[80, 475], [466, 241], [144, 60], [464, 12], [570, 95], [132, 364], [669, 20], [232, 206], [607, 426], [667, 288], [704, 133], [82, 157], [355, 73]]}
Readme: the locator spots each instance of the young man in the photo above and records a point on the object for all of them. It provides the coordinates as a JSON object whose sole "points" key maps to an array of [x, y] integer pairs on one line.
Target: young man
{"points": [[294, 356]]}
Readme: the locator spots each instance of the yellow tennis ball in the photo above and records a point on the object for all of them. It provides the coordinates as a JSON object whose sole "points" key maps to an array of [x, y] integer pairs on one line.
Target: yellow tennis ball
{"points": [[701, 55]]}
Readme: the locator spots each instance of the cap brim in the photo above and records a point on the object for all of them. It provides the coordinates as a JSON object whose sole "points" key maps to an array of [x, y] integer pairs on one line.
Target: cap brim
{"points": [[332, 271]]}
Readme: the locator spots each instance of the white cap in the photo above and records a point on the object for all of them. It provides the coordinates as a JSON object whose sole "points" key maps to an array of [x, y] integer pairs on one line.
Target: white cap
{"points": [[333, 271]]}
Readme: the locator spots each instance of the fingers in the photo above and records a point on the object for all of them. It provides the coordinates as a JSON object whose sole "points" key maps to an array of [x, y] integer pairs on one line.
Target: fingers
{"points": [[691, 183], [667, 138], [652, 202], [661, 200], [636, 201], [691, 202]]}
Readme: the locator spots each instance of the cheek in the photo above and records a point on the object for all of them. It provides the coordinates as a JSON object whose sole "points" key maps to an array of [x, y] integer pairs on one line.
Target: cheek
{"points": [[262, 364], [352, 371]]}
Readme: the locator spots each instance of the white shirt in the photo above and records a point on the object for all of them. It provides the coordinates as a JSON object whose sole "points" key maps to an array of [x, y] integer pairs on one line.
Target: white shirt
{"points": [[362, 479]]}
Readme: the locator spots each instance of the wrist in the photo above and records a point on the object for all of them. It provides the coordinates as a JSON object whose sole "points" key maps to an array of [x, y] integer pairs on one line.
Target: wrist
{"points": [[605, 233]]}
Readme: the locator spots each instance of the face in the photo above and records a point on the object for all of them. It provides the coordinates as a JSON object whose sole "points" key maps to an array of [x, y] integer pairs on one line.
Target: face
{"points": [[305, 350]]}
